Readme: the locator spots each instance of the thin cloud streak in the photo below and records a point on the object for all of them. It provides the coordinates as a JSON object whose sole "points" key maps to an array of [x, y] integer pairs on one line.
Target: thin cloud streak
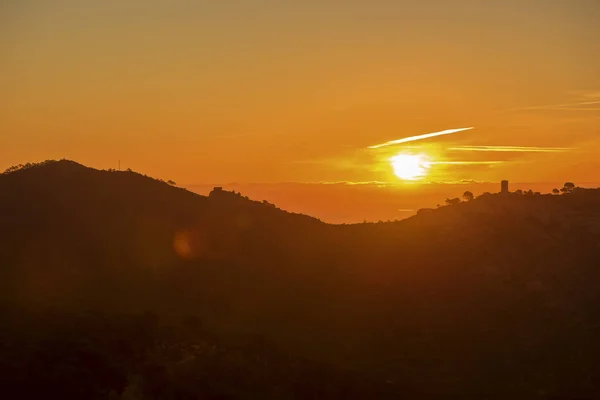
{"points": [[512, 149], [466, 162], [460, 182], [349, 183], [419, 137], [562, 107], [574, 109]]}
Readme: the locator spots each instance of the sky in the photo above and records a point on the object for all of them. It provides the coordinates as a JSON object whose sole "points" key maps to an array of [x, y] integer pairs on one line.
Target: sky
{"points": [[308, 99]]}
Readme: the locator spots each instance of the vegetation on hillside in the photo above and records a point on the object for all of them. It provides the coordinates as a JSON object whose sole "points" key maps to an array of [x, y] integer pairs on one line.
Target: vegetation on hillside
{"points": [[116, 285]]}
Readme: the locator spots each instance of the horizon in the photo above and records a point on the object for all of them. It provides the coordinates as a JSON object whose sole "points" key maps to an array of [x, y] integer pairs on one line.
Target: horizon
{"points": [[313, 93], [351, 203], [365, 203]]}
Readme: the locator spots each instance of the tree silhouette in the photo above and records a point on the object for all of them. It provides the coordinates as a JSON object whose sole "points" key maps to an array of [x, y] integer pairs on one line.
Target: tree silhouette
{"points": [[453, 201], [555, 191], [568, 187], [468, 196], [519, 192]]}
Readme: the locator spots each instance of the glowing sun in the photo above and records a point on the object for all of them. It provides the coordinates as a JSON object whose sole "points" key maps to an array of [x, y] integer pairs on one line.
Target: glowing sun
{"points": [[410, 167]]}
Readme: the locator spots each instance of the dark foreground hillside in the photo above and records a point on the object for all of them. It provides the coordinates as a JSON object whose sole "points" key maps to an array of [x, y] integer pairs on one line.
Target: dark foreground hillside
{"points": [[115, 285]]}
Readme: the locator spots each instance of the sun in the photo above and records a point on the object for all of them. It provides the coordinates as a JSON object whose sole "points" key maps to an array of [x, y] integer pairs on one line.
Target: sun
{"points": [[410, 167]]}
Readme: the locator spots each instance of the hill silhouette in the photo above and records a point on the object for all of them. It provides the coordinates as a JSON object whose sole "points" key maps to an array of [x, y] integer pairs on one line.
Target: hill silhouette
{"points": [[490, 298]]}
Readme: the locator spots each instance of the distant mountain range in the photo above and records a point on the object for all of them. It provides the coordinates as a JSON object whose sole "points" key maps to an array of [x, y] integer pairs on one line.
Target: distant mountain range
{"points": [[491, 298]]}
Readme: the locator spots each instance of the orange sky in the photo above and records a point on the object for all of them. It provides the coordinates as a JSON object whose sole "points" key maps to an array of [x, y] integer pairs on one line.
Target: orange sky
{"points": [[265, 91]]}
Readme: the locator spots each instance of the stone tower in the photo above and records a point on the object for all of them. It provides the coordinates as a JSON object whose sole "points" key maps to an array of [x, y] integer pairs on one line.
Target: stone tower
{"points": [[504, 187]]}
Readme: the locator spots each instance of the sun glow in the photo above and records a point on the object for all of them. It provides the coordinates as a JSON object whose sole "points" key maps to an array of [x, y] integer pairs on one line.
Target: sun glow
{"points": [[410, 167]]}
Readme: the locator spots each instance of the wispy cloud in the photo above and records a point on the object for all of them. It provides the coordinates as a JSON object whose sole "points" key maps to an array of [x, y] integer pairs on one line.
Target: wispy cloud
{"points": [[575, 109], [587, 94], [466, 162], [512, 149], [574, 106], [351, 183], [460, 182], [418, 137]]}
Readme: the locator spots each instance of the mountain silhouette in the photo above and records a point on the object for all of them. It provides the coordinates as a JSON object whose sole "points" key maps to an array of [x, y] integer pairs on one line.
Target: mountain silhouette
{"points": [[490, 298]]}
